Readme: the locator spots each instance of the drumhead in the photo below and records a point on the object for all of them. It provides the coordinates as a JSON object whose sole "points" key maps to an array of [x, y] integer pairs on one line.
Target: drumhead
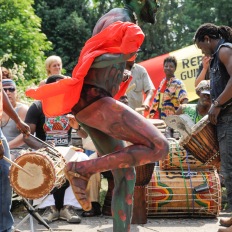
{"points": [[42, 181]]}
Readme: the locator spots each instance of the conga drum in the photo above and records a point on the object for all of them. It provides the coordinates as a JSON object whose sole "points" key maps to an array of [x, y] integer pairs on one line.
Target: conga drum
{"points": [[184, 194]]}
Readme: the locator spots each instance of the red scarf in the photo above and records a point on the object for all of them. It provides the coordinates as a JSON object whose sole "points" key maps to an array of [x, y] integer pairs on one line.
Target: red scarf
{"points": [[58, 98]]}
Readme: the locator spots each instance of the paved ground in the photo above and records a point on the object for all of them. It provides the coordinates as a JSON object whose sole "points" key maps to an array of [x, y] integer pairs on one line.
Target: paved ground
{"points": [[104, 224]]}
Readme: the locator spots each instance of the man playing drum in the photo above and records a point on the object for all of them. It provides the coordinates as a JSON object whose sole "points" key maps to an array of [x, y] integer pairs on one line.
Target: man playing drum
{"points": [[216, 42], [109, 122]]}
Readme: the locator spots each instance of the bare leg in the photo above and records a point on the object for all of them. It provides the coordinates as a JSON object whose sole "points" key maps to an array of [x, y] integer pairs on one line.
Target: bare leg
{"points": [[115, 121], [120, 122]]}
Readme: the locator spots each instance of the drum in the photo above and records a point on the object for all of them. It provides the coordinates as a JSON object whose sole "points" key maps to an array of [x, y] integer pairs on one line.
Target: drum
{"points": [[203, 143], [178, 158], [46, 166], [184, 194]]}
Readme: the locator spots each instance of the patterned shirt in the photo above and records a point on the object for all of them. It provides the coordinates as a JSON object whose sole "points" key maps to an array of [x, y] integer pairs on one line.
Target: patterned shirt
{"points": [[168, 97]]}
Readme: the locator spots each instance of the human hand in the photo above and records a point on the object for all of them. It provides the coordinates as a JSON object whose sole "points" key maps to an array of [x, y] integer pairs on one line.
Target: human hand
{"points": [[213, 114], [206, 61], [72, 121], [146, 107], [23, 127]]}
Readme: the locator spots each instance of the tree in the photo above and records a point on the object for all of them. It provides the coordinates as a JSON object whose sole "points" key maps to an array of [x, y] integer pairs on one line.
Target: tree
{"points": [[67, 24], [22, 39]]}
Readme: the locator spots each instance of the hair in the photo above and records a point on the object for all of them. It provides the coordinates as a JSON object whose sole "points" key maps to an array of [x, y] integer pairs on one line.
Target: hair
{"points": [[214, 32], [50, 60], [54, 78], [171, 59]]}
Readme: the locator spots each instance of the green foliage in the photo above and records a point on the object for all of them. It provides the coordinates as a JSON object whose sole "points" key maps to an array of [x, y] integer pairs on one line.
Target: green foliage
{"points": [[177, 21], [22, 39], [67, 24]]}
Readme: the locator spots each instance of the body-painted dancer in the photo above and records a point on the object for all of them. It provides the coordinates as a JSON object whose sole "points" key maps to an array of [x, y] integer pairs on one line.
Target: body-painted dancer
{"points": [[109, 122]]}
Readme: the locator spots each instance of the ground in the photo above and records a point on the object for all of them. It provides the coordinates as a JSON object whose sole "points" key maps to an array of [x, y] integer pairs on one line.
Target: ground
{"points": [[105, 224]]}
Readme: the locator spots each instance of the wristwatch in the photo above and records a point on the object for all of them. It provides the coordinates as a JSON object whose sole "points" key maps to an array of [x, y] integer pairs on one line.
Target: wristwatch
{"points": [[216, 103]]}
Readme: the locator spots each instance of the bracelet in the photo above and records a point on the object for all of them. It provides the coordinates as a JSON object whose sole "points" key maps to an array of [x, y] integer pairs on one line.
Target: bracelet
{"points": [[79, 127]]}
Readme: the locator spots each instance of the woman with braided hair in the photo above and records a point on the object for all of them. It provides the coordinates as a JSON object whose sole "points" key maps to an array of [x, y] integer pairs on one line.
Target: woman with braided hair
{"points": [[216, 41]]}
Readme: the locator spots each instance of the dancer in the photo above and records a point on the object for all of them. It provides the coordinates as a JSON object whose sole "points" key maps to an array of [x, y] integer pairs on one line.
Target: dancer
{"points": [[109, 122]]}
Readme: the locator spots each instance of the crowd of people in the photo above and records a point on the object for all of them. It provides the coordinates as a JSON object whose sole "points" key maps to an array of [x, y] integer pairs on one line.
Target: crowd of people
{"points": [[98, 77]]}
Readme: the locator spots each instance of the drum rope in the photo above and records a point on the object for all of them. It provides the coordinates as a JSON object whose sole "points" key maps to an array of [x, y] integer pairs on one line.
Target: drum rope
{"points": [[189, 174]]}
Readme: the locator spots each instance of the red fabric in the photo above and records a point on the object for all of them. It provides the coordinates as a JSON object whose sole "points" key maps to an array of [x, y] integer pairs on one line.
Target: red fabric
{"points": [[58, 98], [123, 88]]}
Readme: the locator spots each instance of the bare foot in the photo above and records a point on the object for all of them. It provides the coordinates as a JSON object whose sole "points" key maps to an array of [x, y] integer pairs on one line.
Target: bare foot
{"points": [[79, 185]]}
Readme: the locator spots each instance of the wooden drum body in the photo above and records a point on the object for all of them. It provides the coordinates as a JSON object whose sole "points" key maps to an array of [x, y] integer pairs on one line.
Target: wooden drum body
{"points": [[203, 143], [178, 158], [46, 168], [184, 194]]}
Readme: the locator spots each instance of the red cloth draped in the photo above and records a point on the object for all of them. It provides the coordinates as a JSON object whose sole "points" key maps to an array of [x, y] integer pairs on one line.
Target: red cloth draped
{"points": [[123, 88], [58, 98]]}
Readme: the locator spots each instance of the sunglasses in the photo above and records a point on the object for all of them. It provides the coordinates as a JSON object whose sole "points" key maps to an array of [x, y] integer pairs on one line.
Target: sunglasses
{"points": [[11, 90]]}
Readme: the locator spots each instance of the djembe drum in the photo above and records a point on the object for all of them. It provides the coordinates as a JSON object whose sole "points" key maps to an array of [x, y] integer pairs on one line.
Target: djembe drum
{"points": [[203, 143], [184, 194], [143, 176]]}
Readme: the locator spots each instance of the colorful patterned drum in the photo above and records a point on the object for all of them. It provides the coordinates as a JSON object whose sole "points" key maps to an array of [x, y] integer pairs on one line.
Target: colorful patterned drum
{"points": [[188, 194], [178, 158]]}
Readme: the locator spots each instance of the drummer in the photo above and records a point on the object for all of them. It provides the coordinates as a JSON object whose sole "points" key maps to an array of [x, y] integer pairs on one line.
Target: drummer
{"points": [[199, 110], [56, 130]]}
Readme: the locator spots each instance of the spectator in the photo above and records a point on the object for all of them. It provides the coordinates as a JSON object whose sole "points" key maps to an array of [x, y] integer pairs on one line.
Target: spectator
{"points": [[199, 110], [6, 219], [8, 126], [143, 85], [6, 73], [171, 92], [53, 66], [55, 130]]}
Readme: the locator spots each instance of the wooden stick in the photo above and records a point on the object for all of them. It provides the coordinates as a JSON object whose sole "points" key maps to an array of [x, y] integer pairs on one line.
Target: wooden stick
{"points": [[16, 165], [130, 88], [140, 109]]}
